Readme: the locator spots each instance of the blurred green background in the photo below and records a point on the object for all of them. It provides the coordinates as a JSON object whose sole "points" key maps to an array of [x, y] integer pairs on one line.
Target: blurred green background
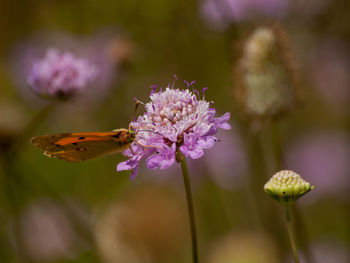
{"points": [[53, 211]]}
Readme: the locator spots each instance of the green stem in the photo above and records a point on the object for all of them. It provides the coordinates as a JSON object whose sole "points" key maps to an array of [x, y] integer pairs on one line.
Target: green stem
{"points": [[190, 210], [290, 234], [300, 231], [302, 234]]}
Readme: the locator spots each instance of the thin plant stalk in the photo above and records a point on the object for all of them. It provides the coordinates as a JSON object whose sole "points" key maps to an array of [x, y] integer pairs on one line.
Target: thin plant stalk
{"points": [[290, 234], [190, 210], [301, 231]]}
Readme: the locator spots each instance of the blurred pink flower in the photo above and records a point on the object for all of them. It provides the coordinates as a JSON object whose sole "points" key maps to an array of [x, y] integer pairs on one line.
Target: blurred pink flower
{"points": [[323, 160], [103, 52], [61, 75], [220, 14], [329, 64], [327, 251], [46, 232]]}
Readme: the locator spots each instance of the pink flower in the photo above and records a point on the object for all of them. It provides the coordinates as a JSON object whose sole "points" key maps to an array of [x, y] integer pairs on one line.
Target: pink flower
{"points": [[105, 51], [60, 74], [220, 14], [180, 121]]}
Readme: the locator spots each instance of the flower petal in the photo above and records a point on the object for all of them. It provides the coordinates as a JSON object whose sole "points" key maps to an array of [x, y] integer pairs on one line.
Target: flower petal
{"points": [[221, 122], [166, 163], [154, 161], [206, 142], [123, 166], [184, 149], [134, 172], [196, 153]]}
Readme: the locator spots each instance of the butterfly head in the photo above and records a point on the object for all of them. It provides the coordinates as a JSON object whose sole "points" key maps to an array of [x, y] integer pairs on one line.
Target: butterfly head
{"points": [[130, 135]]}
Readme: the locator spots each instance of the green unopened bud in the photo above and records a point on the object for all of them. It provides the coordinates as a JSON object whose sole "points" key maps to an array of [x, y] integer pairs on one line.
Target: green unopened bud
{"points": [[287, 186]]}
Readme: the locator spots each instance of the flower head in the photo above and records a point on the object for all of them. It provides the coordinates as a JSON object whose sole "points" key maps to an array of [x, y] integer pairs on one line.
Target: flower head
{"points": [[107, 51], [183, 125], [287, 187], [60, 74], [266, 77]]}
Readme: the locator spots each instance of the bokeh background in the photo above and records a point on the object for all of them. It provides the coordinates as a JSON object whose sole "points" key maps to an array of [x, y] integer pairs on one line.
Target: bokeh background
{"points": [[54, 211]]}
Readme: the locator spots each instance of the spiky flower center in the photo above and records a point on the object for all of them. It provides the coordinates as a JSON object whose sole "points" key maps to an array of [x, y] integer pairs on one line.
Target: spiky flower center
{"points": [[176, 110], [171, 110]]}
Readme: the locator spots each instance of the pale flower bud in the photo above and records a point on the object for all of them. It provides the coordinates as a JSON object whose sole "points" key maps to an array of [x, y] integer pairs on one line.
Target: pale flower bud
{"points": [[287, 186]]}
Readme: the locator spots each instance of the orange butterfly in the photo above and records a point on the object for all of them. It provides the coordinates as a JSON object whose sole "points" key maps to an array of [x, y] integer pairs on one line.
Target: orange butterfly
{"points": [[76, 147]]}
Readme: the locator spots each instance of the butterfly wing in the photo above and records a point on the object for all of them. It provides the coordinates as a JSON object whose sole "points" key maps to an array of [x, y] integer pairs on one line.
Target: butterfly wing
{"points": [[76, 147]]}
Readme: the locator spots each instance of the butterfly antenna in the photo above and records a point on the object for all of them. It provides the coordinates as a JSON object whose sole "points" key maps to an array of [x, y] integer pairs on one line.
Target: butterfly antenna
{"points": [[150, 131], [135, 109]]}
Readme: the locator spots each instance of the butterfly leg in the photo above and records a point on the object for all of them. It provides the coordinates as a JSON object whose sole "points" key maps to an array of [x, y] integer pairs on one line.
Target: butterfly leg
{"points": [[131, 150], [148, 146]]}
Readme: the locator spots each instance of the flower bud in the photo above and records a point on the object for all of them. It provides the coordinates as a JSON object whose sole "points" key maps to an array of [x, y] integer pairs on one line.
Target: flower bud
{"points": [[287, 186]]}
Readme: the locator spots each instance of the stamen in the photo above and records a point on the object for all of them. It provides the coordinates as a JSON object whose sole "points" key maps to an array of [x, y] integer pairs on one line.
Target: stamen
{"points": [[189, 84], [175, 79], [153, 87], [196, 91], [203, 91]]}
